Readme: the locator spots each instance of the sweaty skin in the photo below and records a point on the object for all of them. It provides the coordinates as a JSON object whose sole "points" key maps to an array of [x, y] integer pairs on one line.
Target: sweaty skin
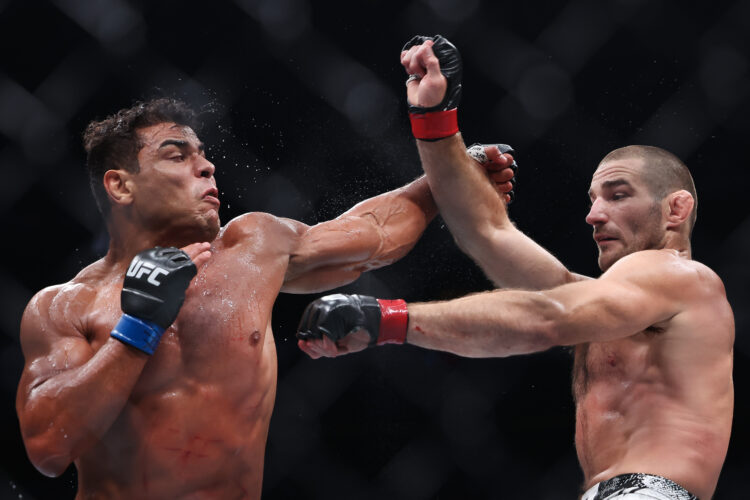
{"points": [[653, 335], [192, 420]]}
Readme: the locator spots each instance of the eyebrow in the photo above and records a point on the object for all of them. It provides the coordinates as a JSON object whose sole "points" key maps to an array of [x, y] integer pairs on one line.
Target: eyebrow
{"points": [[612, 184], [180, 144]]}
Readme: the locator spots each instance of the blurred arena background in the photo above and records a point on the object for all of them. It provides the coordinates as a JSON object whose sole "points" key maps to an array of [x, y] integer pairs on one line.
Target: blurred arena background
{"points": [[307, 118]]}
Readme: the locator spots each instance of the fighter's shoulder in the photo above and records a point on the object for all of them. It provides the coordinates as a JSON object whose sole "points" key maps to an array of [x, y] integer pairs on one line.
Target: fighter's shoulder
{"points": [[668, 269], [65, 300], [56, 310], [252, 223]]}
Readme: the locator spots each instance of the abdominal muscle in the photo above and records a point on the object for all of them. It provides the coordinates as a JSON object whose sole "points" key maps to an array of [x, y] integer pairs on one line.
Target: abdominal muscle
{"points": [[192, 437], [639, 424]]}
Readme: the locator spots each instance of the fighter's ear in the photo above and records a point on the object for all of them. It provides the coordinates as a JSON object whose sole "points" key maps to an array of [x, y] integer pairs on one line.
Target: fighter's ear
{"points": [[119, 187], [680, 207]]}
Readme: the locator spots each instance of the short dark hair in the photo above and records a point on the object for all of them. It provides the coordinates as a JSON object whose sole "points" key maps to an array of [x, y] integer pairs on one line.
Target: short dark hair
{"points": [[663, 172], [113, 143]]}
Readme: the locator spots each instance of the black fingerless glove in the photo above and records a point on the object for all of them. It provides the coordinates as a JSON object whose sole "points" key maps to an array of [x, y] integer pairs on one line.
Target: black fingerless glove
{"points": [[451, 68], [476, 151], [152, 294], [338, 315], [440, 121]]}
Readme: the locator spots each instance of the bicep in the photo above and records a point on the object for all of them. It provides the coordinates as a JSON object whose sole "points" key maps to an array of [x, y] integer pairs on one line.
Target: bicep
{"points": [[607, 308], [49, 348]]}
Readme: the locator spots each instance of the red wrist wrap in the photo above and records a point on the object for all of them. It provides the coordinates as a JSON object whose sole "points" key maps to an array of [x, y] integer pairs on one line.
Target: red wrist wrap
{"points": [[435, 125], [394, 318]]}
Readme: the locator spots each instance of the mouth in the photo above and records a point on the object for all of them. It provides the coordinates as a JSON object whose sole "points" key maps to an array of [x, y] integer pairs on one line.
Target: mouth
{"points": [[212, 196], [603, 239]]}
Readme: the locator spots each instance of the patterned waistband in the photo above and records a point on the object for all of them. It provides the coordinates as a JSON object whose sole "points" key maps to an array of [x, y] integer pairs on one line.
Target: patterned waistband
{"points": [[632, 483]]}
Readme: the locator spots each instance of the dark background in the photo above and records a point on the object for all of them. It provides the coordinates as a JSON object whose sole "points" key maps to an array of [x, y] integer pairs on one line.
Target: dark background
{"points": [[309, 119]]}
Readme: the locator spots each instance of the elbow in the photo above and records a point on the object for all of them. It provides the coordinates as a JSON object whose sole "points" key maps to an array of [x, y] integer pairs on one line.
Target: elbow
{"points": [[50, 455], [549, 330], [51, 467], [548, 335]]}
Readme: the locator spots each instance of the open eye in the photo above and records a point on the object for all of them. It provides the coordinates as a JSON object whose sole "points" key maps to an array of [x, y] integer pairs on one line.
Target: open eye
{"points": [[177, 157]]}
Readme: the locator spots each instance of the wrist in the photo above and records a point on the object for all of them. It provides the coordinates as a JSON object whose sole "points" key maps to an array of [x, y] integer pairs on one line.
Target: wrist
{"points": [[143, 335], [434, 125], [394, 319]]}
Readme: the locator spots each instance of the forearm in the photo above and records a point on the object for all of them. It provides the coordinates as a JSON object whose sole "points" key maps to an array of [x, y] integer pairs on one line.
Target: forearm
{"points": [[466, 199], [67, 413], [490, 324], [372, 234], [394, 222], [478, 219], [413, 200]]}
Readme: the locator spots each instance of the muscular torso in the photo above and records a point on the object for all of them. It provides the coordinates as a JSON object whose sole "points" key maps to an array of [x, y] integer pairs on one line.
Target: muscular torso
{"points": [[659, 402], [195, 425]]}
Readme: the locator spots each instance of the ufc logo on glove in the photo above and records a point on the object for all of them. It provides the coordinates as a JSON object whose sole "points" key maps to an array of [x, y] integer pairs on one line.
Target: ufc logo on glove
{"points": [[139, 267]]}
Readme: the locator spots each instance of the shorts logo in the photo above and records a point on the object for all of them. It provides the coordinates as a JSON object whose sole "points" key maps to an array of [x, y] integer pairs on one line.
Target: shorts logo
{"points": [[139, 267]]}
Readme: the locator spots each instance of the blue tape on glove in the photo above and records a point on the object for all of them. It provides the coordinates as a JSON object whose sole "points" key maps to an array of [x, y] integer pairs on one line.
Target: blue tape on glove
{"points": [[140, 334]]}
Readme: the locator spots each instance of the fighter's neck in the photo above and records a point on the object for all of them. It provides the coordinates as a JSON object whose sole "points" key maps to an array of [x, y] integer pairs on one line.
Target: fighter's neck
{"points": [[125, 241], [679, 243]]}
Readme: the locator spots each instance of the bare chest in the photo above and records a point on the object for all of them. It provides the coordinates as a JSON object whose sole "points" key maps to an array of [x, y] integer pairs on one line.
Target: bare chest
{"points": [[611, 367], [223, 328]]}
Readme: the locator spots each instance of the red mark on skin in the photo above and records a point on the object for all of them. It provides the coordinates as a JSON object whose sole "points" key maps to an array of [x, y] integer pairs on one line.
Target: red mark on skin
{"points": [[184, 455], [244, 491], [418, 329], [611, 359]]}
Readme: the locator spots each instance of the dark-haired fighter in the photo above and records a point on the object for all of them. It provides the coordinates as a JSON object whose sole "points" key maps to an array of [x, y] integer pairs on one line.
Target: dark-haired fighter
{"points": [[653, 335], [153, 397]]}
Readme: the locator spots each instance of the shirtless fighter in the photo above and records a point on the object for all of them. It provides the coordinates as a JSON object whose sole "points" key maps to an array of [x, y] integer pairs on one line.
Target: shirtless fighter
{"points": [[163, 388], [653, 335]]}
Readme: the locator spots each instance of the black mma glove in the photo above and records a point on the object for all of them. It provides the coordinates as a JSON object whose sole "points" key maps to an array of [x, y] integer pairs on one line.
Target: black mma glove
{"points": [[476, 151], [439, 121], [152, 294], [338, 315], [450, 66]]}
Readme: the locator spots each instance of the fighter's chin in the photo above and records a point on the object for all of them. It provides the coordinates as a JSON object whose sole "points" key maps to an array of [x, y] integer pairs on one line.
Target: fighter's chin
{"points": [[608, 256], [208, 225], [213, 227]]}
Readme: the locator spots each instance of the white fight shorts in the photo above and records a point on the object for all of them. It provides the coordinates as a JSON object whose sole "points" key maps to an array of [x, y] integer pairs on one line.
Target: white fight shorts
{"points": [[638, 487]]}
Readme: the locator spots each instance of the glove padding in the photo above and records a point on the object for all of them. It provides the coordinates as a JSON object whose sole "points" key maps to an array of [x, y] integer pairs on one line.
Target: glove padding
{"points": [[451, 68], [155, 284], [476, 151], [338, 315]]}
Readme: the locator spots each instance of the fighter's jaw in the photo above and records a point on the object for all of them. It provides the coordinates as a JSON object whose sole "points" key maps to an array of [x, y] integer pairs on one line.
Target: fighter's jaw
{"points": [[200, 224], [609, 253]]}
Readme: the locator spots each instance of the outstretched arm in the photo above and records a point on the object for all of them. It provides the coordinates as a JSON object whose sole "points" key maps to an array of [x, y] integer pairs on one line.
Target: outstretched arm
{"points": [[476, 215], [641, 290], [372, 234]]}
